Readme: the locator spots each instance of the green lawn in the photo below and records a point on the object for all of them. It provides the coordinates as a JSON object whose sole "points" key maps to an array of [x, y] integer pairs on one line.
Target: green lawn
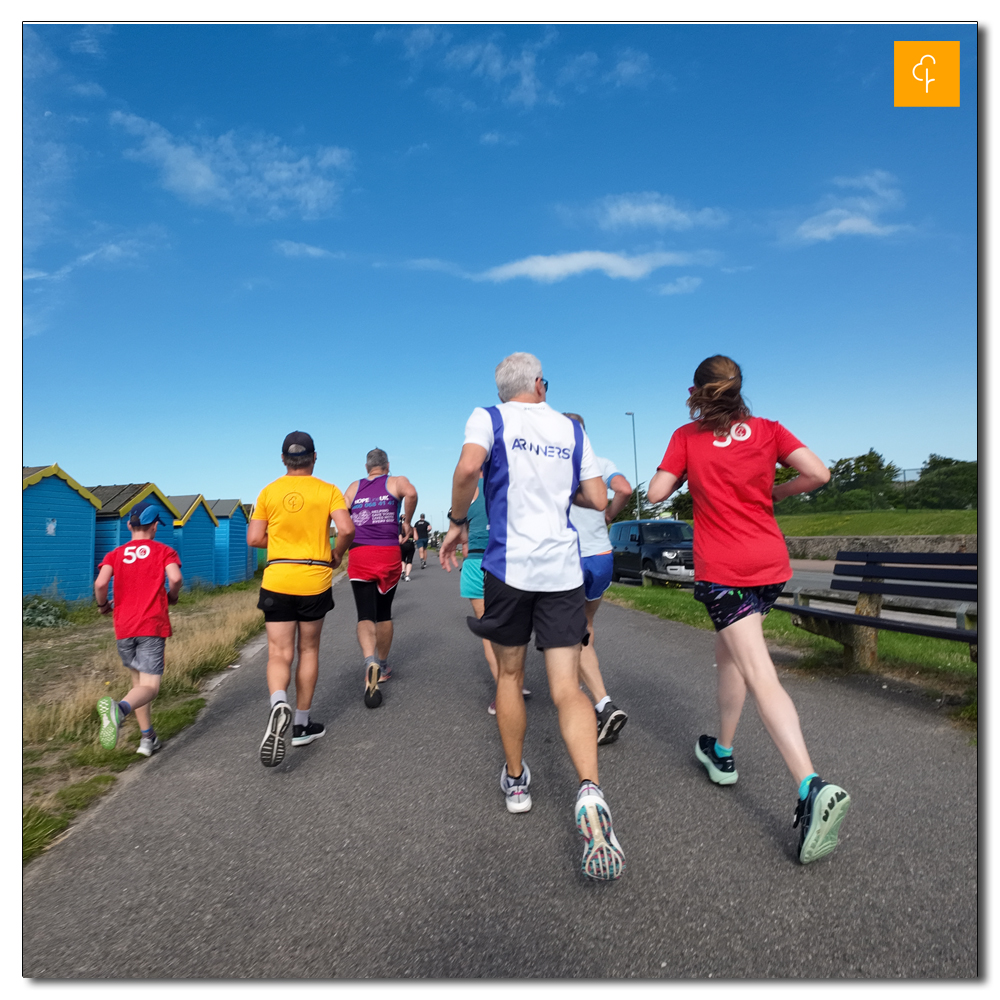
{"points": [[895, 649], [881, 522]]}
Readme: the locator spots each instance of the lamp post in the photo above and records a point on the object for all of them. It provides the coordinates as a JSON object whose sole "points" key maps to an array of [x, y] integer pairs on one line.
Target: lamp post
{"points": [[638, 499]]}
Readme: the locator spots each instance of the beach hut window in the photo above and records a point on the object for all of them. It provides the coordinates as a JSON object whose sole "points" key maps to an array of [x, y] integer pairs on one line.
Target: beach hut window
{"points": [[50, 526]]}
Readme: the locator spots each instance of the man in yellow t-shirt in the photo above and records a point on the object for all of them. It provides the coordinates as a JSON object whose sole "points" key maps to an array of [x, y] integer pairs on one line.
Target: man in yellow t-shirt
{"points": [[291, 519]]}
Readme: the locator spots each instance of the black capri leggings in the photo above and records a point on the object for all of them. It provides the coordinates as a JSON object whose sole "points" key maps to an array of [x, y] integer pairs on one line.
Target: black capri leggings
{"points": [[372, 606]]}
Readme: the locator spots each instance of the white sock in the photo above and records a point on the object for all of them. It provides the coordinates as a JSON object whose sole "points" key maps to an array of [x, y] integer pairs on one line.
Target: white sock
{"points": [[301, 717], [278, 696], [599, 707]]}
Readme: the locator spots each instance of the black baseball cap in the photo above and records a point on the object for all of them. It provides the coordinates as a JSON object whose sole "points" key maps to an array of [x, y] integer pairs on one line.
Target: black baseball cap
{"points": [[297, 443]]}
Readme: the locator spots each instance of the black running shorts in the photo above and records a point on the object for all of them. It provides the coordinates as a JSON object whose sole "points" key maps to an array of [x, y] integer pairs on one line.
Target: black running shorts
{"points": [[372, 606], [557, 618], [294, 607]]}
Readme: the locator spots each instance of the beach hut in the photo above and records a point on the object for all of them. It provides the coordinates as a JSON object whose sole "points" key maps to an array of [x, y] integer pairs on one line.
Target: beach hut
{"points": [[194, 539], [232, 561], [255, 557], [112, 518], [58, 525]]}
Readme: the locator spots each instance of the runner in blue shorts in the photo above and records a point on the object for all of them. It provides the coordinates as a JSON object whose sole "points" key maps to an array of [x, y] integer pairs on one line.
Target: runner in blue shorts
{"points": [[471, 579], [596, 559]]}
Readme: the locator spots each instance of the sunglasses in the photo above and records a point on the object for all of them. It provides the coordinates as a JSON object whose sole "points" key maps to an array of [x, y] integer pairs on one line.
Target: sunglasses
{"points": [[545, 383]]}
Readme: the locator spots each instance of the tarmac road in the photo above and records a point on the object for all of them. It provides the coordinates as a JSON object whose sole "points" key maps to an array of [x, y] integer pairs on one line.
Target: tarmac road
{"points": [[384, 849]]}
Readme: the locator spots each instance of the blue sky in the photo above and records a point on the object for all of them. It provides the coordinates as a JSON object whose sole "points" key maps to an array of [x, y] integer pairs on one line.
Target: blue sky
{"points": [[232, 232]]}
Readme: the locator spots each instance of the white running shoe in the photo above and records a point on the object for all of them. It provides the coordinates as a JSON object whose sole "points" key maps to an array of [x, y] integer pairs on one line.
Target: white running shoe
{"points": [[602, 854], [516, 789], [148, 745], [272, 747]]}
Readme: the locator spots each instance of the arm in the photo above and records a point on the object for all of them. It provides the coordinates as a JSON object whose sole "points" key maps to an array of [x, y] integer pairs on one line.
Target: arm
{"points": [[257, 534], [404, 490], [352, 492], [622, 490], [662, 485], [176, 582], [345, 535], [812, 473], [101, 590], [593, 493], [463, 488]]}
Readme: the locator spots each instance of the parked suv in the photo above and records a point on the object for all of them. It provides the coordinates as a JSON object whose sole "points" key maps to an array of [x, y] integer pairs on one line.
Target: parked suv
{"points": [[659, 546]]}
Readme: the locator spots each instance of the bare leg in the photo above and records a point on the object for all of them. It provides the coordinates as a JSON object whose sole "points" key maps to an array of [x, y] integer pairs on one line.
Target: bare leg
{"points": [[512, 719], [744, 643], [590, 670], [478, 608], [366, 637], [145, 687], [383, 634], [732, 692], [576, 714], [280, 652], [307, 669]]}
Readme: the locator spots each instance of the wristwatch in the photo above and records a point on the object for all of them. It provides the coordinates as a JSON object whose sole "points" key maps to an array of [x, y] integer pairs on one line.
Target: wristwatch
{"points": [[458, 522]]}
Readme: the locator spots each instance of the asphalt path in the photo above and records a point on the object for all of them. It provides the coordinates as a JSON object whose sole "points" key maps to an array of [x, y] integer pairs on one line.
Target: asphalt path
{"points": [[384, 849]]}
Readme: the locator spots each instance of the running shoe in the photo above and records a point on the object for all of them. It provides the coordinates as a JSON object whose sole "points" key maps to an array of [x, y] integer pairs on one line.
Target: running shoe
{"points": [[722, 770], [384, 673], [148, 745], [602, 854], [492, 708], [516, 789], [107, 709], [610, 722], [304, 735], [818, 817], [272, 747], [373, 697]]}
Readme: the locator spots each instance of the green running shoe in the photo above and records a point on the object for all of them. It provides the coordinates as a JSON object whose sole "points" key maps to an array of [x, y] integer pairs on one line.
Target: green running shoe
{"points": [[819, 816], [107, 709]]}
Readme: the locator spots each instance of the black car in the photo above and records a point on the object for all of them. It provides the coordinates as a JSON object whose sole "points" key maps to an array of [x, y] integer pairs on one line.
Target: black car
{"points": [[659, 546]]}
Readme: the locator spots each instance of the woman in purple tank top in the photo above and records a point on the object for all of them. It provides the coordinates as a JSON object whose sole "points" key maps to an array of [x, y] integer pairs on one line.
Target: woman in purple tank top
{"points": [[373, 564]]}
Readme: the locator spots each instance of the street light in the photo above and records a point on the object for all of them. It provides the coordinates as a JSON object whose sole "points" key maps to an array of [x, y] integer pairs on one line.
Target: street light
{"points": [[638, 499]]}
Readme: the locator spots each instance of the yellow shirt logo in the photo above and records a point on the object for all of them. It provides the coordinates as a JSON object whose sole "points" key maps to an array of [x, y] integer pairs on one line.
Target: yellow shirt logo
{"points": [[926, 74], [293, 502]]}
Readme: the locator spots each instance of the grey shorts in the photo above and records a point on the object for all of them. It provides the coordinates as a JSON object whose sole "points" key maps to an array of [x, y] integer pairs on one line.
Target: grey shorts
{"points": [[143, 653]]}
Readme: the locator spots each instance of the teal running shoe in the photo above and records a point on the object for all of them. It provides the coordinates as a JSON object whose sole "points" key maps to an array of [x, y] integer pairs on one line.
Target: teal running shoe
{"points": [[818, 817]]}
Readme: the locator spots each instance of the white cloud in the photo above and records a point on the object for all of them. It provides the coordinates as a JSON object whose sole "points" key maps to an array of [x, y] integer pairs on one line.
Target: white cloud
{"points": [[631, 70], [495, 138], [681, 286], [653, 210], [259, 175], [487, 60], [111, 252], [557, 267], [577, 71], [855, 214], [292, 249], [89, 40], [88, 89]]}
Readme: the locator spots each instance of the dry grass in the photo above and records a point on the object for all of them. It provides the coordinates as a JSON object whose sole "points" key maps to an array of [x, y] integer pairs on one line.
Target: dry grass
{"points": [[204, 640]]}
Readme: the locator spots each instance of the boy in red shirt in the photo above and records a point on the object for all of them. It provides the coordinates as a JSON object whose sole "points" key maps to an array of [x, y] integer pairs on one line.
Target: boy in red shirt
{"points": [[142, 623]]}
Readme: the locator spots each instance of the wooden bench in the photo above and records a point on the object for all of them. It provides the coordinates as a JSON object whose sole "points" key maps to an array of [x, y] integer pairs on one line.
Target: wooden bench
{"points": [[892, 574]]}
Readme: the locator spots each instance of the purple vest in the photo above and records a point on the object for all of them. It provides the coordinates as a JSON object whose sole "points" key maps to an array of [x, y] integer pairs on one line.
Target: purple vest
{"points": [[375, 513]]}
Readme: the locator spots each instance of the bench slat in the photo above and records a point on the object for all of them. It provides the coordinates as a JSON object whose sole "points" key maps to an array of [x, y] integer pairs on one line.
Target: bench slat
{"points": [[907, 590], [886, 624], [909, 573], [928, 558]]}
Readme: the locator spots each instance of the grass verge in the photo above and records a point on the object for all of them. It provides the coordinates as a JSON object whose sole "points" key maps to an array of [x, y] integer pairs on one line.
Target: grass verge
{"points": [[881, 522], [941, 668], [67, 668]]}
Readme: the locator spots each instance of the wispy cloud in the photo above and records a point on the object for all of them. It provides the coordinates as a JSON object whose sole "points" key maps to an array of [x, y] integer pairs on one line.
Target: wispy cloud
{"points": [[88, 89], [494, 138], [291, 249], [632, 69], [112, 252], [557, 267], [649, 209], [88, 41], [515, 74], [578, 71], [855, 214], [259, 175], [681, 286]]}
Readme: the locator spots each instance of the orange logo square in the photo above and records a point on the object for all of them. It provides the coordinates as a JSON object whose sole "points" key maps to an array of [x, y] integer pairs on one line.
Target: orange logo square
{"points": [[925, 75]]}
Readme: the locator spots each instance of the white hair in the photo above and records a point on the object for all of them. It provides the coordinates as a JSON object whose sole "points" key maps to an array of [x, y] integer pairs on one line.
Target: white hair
{"points": [[517, 374]]}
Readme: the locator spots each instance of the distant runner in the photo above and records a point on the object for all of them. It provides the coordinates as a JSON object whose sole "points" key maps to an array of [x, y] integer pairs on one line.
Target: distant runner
{"points": [[741, 565], [374, 562], [534, 460], [291, 519], [423, 530], [597, 561], [406, 548]]}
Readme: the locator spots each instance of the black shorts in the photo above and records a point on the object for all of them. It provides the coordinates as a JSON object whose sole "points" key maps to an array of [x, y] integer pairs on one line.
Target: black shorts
{"points": [[294, 607], [558, 618], [372, 606], [726, 605], [406, 551]]}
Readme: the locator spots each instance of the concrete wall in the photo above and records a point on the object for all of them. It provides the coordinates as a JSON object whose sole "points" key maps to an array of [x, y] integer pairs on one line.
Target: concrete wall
{"points": [[827, 546]]}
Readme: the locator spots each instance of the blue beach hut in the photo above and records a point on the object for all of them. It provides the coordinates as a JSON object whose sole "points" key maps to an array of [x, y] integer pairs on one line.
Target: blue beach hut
{"points": [[58, 525], [194, 539], [231, 558], [112, 518]]}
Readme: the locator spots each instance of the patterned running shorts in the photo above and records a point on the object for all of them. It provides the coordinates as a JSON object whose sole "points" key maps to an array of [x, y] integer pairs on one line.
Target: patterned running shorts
{"points": [[726, 605]]}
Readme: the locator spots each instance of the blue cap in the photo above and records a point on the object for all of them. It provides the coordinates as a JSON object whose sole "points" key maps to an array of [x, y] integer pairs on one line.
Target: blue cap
{"points": [[145, 513]]}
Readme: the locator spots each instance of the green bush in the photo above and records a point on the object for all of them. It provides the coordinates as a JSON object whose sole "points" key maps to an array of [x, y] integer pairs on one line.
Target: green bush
{"points": [[41, 612]]}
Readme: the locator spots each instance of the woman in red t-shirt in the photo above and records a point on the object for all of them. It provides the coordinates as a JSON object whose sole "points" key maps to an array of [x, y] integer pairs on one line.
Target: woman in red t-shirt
{"points": [[741, 566]]}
